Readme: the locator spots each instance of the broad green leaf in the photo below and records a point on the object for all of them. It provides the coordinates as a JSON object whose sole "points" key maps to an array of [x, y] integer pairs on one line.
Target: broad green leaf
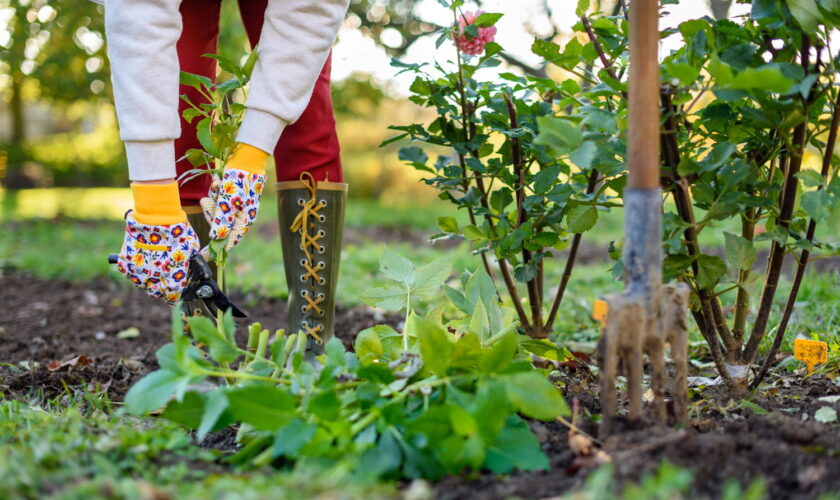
{"points": [[582, 7], [810, 178], [479, 288], [545, 178], [152, 391], [189, 114], [203, 330], [559, 134], [187, 412], [195, 81], [448, 224], [583, 155], [467, 351], [292, 437], [684, 72], [806, 13], [739, 250], [214, 408], [396, 267], [487, 19], [264, 407], [435, 346], [391, 298], [430, 278], [544, 348], [325, 405], [413, 155], [462, 422], [479, 323], [582, 218], [500, 354], [767, 77], [368, 346], [204, 135], [250, 62], [709, 270], [534, 396], [817, 204], [472, 233], [515, 448]]}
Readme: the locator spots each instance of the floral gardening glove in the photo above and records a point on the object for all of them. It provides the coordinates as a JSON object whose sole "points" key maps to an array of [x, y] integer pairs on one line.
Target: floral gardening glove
{"points": [[158, 244], [232, 203]]}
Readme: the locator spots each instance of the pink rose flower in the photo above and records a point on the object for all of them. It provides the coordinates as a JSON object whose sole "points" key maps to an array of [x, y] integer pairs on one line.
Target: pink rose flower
{"points": [[469, 44]]}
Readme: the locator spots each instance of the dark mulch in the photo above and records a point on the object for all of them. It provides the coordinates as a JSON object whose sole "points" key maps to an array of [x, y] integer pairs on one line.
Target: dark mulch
{"points": [[43, 321]]}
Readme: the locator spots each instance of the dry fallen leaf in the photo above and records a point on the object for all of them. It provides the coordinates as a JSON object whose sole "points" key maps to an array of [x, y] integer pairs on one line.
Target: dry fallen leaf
{"points": [[80, 361]]}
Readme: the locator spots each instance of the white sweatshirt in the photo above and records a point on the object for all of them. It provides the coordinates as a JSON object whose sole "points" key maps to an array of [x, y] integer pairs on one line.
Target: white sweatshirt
{"points": [[296, 39]]}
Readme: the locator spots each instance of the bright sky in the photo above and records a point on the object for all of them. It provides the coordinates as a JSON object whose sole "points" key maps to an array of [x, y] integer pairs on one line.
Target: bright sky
{"points": [[516, 30]]}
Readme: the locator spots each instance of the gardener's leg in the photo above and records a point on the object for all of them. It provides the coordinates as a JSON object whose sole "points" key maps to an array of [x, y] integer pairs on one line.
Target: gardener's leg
{"points": [[199, 36], [307, 156], [311, 143]]}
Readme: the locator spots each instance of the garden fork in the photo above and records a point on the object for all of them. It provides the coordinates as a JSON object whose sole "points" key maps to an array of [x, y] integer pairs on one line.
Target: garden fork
{"points": [[631, 332]]}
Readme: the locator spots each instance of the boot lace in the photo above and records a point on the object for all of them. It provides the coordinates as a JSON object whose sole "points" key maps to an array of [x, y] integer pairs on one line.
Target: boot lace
{"points": [[302, 225]]}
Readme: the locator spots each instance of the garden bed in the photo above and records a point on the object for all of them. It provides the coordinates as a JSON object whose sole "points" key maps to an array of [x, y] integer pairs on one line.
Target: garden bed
{"points": [[55, 321]]}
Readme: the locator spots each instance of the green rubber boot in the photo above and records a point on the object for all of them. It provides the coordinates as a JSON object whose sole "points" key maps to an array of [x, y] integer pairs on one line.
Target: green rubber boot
{"points": [[202, 228], [311, 216]]}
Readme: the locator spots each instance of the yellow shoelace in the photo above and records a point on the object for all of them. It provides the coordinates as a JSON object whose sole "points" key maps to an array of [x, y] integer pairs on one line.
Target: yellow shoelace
{"points": [[309, 209], [313, 332]]}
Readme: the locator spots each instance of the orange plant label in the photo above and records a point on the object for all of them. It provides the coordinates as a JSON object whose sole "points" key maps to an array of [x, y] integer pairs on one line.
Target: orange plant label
{"points": [[599, 312], [811, 352]]}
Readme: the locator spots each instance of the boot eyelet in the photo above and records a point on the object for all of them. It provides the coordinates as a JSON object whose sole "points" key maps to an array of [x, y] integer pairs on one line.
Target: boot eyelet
{"points": [[321, 265], [304, 324], [300, 201], [323, 203], [302, 278], [302, 262], [304, 309], [322, 249], [303, 293], [322, 233], [321, 295], [322, 281], [322, 218], [301, 246]]}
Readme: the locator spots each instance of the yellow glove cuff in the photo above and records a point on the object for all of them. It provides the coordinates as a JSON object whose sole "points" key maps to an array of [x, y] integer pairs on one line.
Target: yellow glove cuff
{"points": [[157, 204], [248, 158]]}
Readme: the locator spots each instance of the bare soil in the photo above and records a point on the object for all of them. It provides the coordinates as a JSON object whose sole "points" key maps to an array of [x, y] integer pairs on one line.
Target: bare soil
{"points": [[55, 321], [45, 321]]}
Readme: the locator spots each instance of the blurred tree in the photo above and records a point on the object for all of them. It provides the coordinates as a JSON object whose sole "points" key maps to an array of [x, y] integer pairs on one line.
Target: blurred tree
{"points": [[52, 50]]}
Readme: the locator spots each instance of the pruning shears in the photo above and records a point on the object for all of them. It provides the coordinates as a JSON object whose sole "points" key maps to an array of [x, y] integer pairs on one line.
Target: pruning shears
{"points": [[201, 286]]}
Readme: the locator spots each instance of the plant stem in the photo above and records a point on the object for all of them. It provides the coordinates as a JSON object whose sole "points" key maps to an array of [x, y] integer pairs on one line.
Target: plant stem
{"points": [[600, 50], [534, 299], [742, 300], [804, 255], [570, 261], [787, 201], [407, 313]]}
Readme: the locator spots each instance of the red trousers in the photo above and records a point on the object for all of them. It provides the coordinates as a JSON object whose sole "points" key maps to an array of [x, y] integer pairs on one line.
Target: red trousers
{"points": [[308, 145]]}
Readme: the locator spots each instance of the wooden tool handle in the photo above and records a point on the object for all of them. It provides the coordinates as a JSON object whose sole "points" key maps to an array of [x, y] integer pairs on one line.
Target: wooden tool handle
{"points": [[643, 90]]}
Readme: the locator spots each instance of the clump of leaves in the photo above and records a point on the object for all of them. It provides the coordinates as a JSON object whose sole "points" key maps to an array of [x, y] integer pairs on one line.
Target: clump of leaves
{"points": [[531, 185], [437, 399]]}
